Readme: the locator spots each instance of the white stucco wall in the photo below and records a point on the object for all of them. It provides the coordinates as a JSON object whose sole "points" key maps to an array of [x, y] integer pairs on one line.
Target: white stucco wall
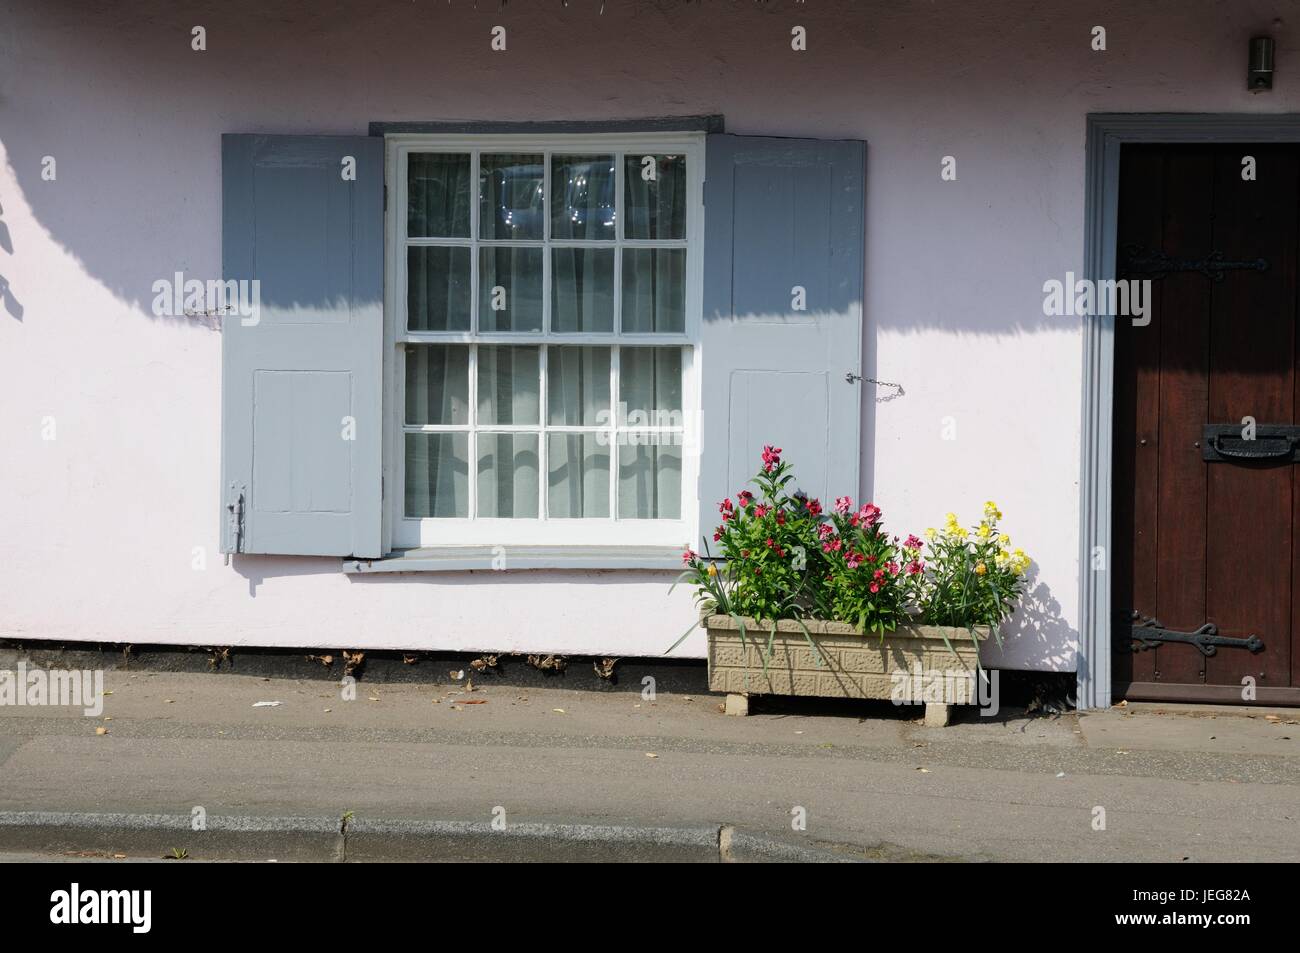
{"points": [[98, 527]]}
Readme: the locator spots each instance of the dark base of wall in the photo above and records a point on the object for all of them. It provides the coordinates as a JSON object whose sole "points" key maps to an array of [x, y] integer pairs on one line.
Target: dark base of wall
{"points": [[1044, 692], [688, 676]]}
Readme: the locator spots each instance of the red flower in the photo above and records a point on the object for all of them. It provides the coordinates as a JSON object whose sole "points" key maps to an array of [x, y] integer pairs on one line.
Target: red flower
{"points": [[771, 458], [869, 514], [689, 557], [913, 567], [760, 511], [824, 530], [745, 497], [874, 587]]}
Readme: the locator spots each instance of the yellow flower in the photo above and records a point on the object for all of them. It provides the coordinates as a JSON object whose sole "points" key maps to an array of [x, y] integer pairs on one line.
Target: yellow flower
{"points": [[931, 533], [984, 532], [713, 570], [960, 532], [1004, 539], [950, 519], [981, 569]]}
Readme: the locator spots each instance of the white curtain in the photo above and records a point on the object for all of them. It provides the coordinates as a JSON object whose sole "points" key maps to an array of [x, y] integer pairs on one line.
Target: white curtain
{"points": [[578, 395]]}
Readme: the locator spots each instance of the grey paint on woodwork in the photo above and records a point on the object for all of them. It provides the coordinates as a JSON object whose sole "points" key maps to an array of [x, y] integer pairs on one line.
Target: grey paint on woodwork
{"points": [[781, 214], [312, 362], [447, 127]]}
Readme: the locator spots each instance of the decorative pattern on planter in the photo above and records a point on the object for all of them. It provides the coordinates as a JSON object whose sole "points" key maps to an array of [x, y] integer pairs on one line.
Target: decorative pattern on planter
{"points": [[853, 665]]}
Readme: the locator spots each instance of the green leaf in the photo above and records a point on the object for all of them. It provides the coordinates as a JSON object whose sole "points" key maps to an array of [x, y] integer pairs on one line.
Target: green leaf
{"points": [[694, 626], [817, 653]]}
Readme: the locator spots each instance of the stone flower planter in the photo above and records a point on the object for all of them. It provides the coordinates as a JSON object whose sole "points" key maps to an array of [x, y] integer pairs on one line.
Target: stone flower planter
{"points": [[912, 664]]}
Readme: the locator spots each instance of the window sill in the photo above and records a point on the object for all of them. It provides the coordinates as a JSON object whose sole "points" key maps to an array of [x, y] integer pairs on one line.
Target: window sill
{"points": [[497, 558]]}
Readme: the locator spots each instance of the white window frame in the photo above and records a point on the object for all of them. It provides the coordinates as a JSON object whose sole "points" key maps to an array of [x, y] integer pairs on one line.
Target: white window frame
{"points": [[401, 532]]}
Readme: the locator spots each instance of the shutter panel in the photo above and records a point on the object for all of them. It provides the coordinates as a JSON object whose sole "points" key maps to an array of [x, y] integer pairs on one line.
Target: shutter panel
{"points": [[781, 214], [311, 363]]}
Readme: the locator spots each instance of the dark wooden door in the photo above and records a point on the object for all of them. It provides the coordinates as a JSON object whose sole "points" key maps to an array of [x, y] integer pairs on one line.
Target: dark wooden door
{"points": [[1200, 542]]}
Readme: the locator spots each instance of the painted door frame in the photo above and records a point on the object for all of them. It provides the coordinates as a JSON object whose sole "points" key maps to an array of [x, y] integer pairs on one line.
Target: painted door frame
{"points": [[1106, 134]]}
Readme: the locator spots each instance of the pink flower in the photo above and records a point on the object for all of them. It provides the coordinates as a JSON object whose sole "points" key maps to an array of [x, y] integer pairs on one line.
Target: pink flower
{"points": [[842, 505], [869, 514], [717, 535], [913, 567], [745, 497], [874, 587], [853, 560], [913, 543], [760, 511], [878, 574], [825, 529], [892, 567], [689, 557], [725, 509], [771, 458], [770, 544]]}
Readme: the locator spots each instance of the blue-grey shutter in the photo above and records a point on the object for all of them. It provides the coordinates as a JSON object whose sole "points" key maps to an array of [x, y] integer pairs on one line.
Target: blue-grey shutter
{"points": [[303, 375], [781, 215]]}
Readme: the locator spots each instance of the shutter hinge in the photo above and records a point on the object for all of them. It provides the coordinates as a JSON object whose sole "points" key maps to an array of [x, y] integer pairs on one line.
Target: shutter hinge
{"points": [[385, 196], [236, 511]]}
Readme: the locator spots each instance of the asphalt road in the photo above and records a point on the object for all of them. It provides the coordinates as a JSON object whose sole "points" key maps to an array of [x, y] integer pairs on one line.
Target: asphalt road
{"points": [[869, 779]]}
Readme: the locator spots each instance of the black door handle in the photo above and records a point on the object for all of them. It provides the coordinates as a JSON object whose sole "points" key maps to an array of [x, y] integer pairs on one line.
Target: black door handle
{"points": [[1274, 442]]}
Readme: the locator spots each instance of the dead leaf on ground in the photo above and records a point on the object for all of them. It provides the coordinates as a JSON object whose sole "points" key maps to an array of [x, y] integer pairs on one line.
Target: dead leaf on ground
{"points": [[474, 701], [101, 730]]}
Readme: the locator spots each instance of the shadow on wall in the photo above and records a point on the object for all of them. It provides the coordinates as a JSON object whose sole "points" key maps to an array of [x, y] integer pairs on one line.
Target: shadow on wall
{"points": [[1037, 631]]}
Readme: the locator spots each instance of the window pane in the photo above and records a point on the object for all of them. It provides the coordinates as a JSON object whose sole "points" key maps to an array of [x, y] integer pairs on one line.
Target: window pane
{"points": [[582, 289], [649, 476], [654, 196], [654, 290], [577, 387], [437, 384], [582, 197], [650, 386], [509, 385], [507, 475], [577, 475], [437, 288], [437, 475], [510, 196], [509, 289], [437, 195]]}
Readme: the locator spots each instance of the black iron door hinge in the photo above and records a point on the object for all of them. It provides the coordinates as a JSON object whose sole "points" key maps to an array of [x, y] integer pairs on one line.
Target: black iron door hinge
{"points": [[1144, 633]]}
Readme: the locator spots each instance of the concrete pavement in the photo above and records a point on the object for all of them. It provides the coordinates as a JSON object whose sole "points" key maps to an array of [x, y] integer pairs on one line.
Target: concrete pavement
{"points": [[870, 779]]}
